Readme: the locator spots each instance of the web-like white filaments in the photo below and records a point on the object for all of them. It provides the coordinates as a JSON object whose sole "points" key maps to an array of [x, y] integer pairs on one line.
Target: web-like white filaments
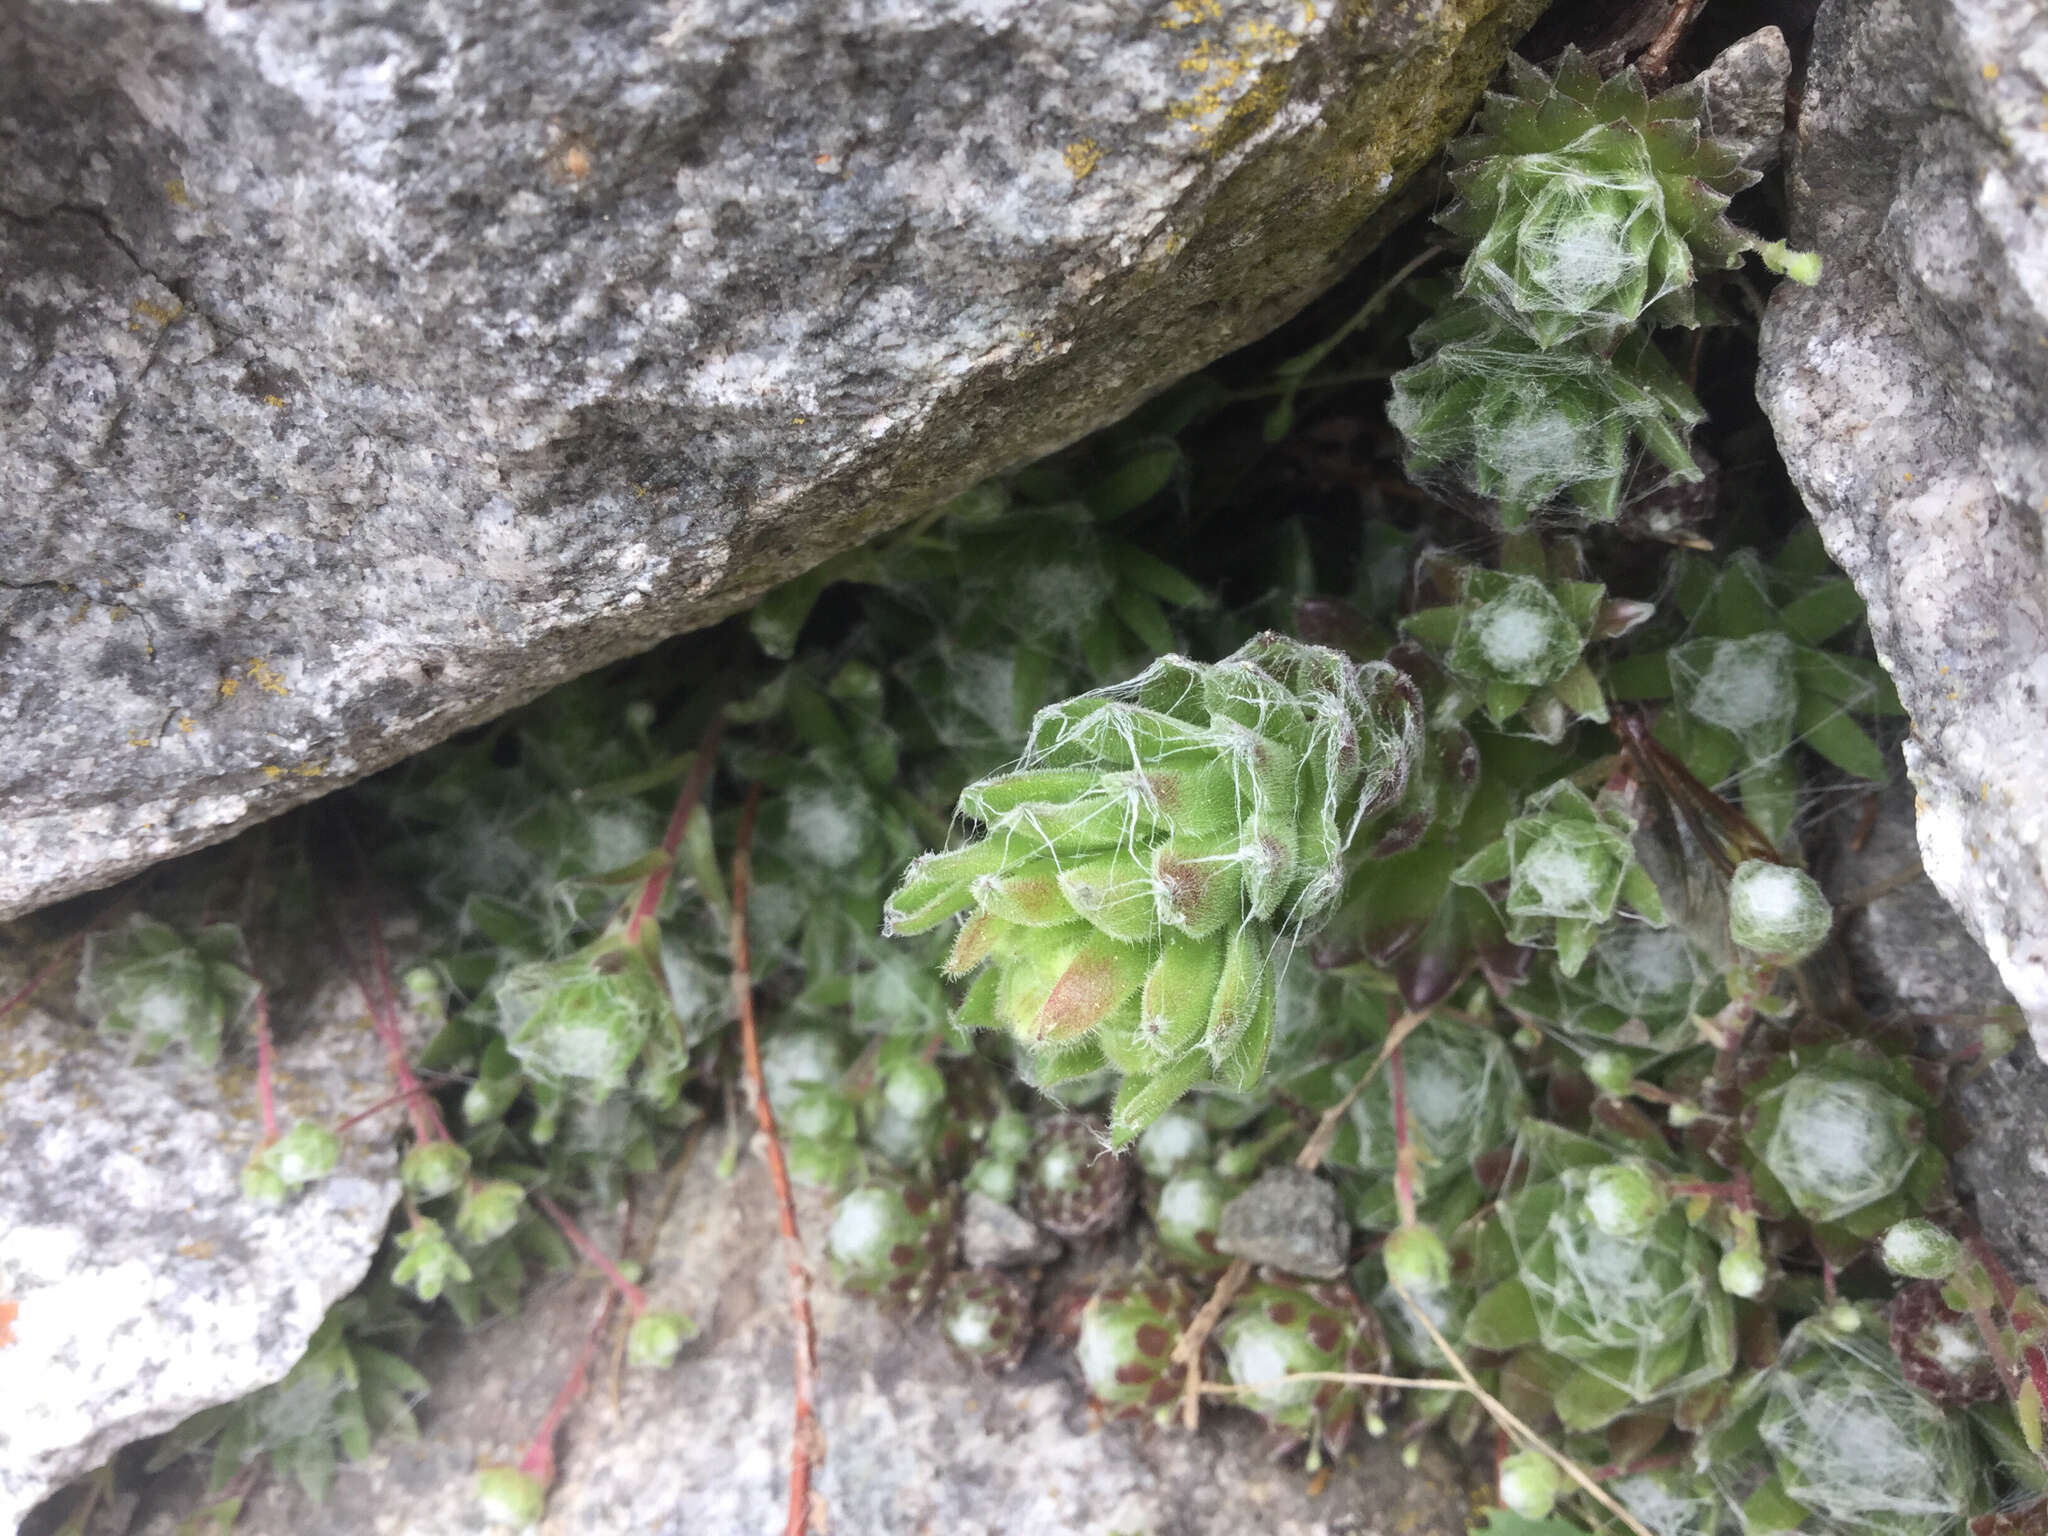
{"points": [[1840, 1143], [1858, 1446]]}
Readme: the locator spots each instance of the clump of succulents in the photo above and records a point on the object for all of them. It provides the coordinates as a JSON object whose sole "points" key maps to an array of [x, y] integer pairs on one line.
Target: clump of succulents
{"points": [[1592, 1260], [889, 1239], [1279, 1328], [1586, 209], [985, 1316], [1140, 869], [158, 988], [1125, 1346], [1187, 1209]]}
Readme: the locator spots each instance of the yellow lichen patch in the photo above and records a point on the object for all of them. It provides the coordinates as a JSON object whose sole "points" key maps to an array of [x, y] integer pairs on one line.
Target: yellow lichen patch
{"points": [[266, 677], [1082, 156], [198, 1248], [272, 771], [162, 314], [174, 189], [185, 724], [228, 685], [1242, 71], [1989, 71], [141, 740], [275, 402], [310, 770]]}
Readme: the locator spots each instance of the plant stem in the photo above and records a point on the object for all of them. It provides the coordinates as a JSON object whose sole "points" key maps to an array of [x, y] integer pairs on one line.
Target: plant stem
{"points": [[1404, 1157], [635, 1298], [806, 1441], [266, 1094], [678, 824], [35, 983], [539, 1458]]}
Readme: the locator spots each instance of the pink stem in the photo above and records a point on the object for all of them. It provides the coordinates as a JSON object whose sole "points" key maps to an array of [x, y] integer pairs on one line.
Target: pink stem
{"points": [[35, 983], [1404, 1171], [636, 1299], [539, 1459], [678, 824], [383, 1006], [265, 1091]]}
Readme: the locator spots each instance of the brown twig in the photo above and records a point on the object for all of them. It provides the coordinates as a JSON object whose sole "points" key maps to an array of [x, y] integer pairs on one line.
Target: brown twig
{"points": [[1655, 62], [1188, 1352], [806, 1441], [36, 982], [678, 824]]}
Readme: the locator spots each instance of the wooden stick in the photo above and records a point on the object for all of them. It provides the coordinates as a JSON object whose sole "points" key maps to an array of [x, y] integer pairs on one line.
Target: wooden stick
{"points": [[1512, 1425], [1347, 1378], [807, 1442]]}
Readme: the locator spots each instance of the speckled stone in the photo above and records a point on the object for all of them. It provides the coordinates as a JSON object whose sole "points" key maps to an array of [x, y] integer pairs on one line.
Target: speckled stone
{"points": [[1909, 394], [1291, 1220], [914, 1441], [366, 369], [148, 1287]]}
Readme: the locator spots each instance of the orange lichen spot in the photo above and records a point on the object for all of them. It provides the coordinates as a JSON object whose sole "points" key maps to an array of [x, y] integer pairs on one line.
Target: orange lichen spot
{"points": [[162, 314], [9, 1311], [1989, 71], [266, 677], [228, 685], [576, 162], [185, 724], [1082, 156], [1192, 13], [198, 1248]]}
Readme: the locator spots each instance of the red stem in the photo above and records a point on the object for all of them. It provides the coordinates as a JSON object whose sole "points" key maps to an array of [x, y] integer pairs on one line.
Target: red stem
{"points": [[416, 1091], [806, 1442], [1827, 1281], [636, 1299], [539, 1460], [35, 983], [265, 1091], [383, 1006], [1404, 1171], [1735, 1191], [678, 824]]}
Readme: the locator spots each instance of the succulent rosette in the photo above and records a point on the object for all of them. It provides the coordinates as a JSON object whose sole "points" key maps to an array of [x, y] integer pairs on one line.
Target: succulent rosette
{"points": [[1186, 1209], [151, 983], [1587, 1261], [1075, 1186], [889, 1239], [1565, 866], [1488, 413], [1158, 842], [1278, 1328], [1589, 204], [594, 1022], [1125, 1346], [986, 1318], [1832, 1437]]}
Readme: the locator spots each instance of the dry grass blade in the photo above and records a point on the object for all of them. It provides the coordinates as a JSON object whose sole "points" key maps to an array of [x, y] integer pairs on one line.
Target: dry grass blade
{"points": [[1498, 1411]]}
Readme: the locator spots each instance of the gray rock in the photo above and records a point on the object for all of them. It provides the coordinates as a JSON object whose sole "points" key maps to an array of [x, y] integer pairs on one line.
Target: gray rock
{"points": [[1291, 1220], [1911, 955], [992, 1236], [1745, 96], [148, 1287], [1909, 393], [364, 372], [913, 1440]]}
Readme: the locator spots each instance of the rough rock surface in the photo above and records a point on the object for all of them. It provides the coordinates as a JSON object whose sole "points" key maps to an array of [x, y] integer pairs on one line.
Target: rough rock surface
{"points": [[1909, 393], [1911, 954], [365, 371], [1745, 94], [148, 1288], [1290, 1219], [914, 1440], [994, 1236]]}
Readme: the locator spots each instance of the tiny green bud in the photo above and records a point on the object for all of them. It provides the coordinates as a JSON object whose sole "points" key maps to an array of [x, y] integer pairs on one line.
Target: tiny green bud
{"points": [[1417, 1260], [656, 1338], [913, 1089], [631, 1271], [433, 1169], [1777, 912], [489, 1211], [306, 1152], [1526, 1038], [1682, 1115], [1920, 1250], [423, 990], [1623, 1200], [489, 1097], [1530, 1484], [1802, 267], [1612, 1072], [1171, 1142], [1009, 1137], [1743, 1273], [1844, 1318], [510, 1497], [428, 1263], [1411, 1454], [995, 1178], [261, 1183]]}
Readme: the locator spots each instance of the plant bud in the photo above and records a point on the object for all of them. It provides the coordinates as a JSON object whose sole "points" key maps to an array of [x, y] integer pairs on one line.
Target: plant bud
{"points": [[261, 1183], [1530, 1484], [1417, 1260], [489, 1211], [511, 1497], [1612, 1072], [1009, 1137], [1777, 912], [913, 1089], [306, 1152], [433, 1169], [1743, 1273], [428, 1263], [1623, 1200], [656, 1338], [1920, 1250], [994, 1177]]}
